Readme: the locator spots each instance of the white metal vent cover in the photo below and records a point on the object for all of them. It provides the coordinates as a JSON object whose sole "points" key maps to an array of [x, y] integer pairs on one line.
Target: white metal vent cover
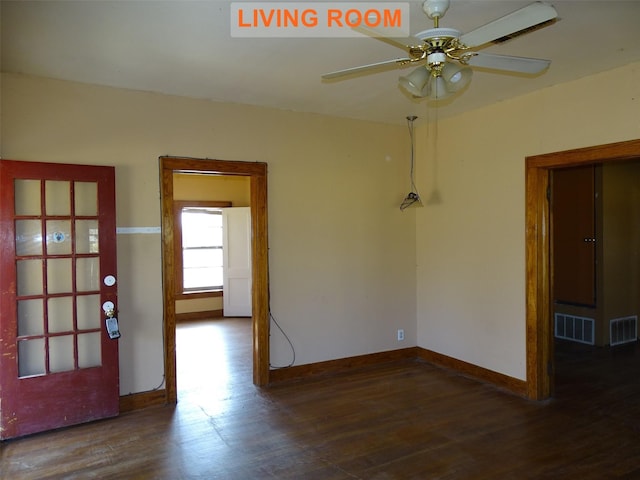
{"points": [[574, 328], [623, 330]]}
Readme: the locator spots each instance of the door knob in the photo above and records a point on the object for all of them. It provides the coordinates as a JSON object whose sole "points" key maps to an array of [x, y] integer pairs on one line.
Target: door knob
{"points": [[109, 309]]}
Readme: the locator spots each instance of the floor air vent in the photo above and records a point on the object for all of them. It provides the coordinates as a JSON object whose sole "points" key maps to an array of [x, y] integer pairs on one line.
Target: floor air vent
{"points": [[576, 329], [623, 330]]}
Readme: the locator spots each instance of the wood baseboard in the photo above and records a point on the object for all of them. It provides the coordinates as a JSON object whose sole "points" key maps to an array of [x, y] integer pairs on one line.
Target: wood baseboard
{"points": [[514, 385], [340, 365], [206, 315], [499, 380], [141, 400], [137, 401]]}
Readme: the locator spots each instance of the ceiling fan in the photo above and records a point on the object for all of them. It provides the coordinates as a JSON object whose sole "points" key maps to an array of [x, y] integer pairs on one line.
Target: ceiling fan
{"points": [[446, 55]]}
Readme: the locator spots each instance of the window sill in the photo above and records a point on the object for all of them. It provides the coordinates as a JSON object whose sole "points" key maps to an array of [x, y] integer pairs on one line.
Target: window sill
{"points": [[198, 294]]}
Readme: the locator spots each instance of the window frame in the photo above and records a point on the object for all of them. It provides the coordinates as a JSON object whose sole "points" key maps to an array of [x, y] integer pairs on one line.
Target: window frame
{"points": [[178, 206]]}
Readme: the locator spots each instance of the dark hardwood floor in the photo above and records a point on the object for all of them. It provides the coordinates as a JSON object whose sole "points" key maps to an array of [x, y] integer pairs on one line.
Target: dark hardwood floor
{"points": [[406, 420]]}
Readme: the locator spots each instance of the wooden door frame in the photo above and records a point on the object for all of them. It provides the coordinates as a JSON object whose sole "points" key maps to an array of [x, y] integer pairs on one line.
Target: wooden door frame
{"points": [[257, 173], [539, 335]]}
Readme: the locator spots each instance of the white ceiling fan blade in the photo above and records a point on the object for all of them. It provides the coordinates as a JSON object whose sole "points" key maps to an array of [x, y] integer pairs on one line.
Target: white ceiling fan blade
{"points": [[398, 62], [526, 17], [509, 63], [401, 42]]}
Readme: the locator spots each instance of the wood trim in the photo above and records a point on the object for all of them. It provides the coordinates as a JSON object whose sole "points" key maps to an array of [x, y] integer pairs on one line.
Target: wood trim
{"points": [[259, 247], [168, 282], [158, 397], [260, 273], [538, 353], [194, 295], [177, 248], [137, 401], [540, 376], [220, 167], [206, 315], [460, 367], [476, 372], [331, 367], [620, 151], [180, 204]]}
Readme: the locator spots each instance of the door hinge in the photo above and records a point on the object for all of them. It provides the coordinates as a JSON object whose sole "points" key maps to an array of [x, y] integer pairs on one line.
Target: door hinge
{"points": [[548, 193]]}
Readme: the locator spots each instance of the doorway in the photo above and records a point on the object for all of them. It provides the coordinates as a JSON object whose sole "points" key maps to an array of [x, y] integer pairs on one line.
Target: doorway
{"points": [[540, 337], [257, 173]]}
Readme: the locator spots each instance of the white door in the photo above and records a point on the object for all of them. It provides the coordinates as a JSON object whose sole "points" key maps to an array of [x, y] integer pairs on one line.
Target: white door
{"points": [[236, 248]]}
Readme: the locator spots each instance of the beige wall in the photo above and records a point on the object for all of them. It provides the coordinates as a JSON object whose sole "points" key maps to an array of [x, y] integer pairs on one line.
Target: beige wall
{"points": [[225, 188], [342, 255], [470, 247]]}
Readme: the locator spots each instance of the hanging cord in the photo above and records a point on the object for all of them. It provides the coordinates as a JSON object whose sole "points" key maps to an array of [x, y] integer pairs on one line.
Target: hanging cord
{"points": [[410, 125], [434, 197], [273, 318], [435, 134], [293, 350], [413, 196], [161, 384], [432, 142]]}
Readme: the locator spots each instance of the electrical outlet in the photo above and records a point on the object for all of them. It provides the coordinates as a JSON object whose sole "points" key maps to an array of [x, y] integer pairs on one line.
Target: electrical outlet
{"points": [[400, 334]]}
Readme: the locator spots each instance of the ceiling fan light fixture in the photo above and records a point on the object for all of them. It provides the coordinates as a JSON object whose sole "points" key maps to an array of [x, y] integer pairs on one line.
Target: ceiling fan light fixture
{"points": [[416, 82], [437, 88], [456, 77], [437, 82]]}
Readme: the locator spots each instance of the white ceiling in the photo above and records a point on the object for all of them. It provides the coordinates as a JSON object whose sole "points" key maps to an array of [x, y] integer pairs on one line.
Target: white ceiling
{"points": [[184, 47]]}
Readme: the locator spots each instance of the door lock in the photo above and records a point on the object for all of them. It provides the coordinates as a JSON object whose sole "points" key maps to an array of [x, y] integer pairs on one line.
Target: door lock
{"points": [[111, 322]]}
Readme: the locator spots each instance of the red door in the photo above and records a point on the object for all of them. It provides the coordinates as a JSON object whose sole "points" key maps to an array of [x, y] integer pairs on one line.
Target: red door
{"points": [[58, 365]]}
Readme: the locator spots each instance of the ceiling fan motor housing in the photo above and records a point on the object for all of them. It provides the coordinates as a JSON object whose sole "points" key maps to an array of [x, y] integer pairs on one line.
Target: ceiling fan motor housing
{"points": [[437, 42], [439, 38]]}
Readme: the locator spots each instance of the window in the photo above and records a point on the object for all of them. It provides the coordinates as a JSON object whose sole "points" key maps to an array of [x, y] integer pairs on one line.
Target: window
{"points": [[201, 249], [199, 246]]}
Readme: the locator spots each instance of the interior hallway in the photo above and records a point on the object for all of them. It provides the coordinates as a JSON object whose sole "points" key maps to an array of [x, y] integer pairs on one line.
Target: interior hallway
{"points": [[406, 420]]}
